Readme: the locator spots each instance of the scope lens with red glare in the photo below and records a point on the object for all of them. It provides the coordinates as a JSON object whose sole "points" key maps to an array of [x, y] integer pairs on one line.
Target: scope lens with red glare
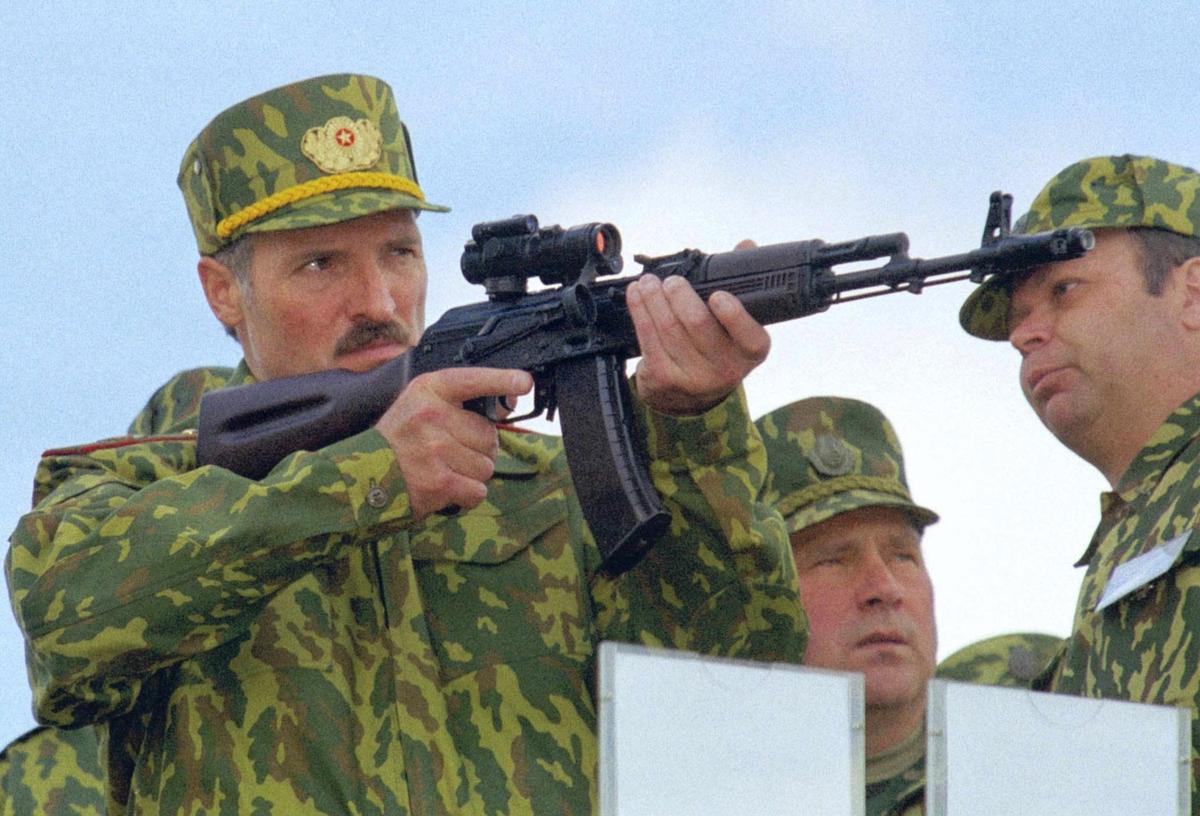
{"points": [[606, 240], [515, 249]]}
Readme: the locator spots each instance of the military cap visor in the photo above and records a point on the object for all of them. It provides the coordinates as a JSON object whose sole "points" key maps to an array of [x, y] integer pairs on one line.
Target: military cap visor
{"points": [[806, 515], [1106, 192], [985, 311]]}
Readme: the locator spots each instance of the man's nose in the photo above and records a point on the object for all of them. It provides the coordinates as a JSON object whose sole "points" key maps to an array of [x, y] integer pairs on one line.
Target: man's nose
{"points": [[878, 581], [373, 299], [1029, 331]]}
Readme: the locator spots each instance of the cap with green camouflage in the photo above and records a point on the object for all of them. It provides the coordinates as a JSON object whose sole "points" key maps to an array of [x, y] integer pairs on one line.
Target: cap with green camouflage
{"points": [[829, 455], [1098, 193], [1004, 660], [315, 152]]}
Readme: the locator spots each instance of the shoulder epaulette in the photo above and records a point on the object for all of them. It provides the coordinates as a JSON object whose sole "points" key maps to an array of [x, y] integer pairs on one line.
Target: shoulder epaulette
{"points": [[121, 442]]}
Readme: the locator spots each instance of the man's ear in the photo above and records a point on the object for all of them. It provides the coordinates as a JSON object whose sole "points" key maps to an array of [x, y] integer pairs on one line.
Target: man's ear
{"points": [[222, 291], [1189, 280]]}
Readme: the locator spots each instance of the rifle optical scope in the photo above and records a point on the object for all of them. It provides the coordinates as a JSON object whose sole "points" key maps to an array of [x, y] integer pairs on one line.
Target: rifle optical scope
{"points": [[504, 254]]}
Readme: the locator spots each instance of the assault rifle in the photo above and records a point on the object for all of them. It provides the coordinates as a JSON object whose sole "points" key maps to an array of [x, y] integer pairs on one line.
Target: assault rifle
{"points": [[575, 339]]}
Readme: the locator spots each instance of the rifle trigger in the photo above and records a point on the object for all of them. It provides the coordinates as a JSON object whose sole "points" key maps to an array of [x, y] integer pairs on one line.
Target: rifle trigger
{"points": [[539, 405], [485, 406]]}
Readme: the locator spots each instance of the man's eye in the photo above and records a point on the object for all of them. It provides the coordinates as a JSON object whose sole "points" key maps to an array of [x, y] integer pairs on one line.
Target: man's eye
{"points": [[316, 265], [1061, 287]]}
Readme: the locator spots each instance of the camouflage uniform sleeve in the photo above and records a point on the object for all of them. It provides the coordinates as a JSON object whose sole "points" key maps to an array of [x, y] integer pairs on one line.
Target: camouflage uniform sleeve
{"points": [[133, 559], [721, 581]]}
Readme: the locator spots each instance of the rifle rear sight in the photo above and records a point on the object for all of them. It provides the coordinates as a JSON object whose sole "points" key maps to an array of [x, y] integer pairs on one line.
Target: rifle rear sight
{"points": [[503, 255]]}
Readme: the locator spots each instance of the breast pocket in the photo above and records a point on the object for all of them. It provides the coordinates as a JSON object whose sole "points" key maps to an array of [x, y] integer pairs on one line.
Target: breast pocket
{"points": [[502, 583]]}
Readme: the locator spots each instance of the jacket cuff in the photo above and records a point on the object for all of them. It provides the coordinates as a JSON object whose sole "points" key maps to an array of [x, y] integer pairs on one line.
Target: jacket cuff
{"points": [[371, 480], [719, 435]]}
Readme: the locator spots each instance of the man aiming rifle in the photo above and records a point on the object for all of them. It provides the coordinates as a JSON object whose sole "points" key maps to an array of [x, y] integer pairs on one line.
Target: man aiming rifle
{"points": [[403, 621]]}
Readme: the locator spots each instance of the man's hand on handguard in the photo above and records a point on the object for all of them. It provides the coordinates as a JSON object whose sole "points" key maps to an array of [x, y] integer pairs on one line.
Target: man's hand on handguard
{"points": [[445, 452], [693, 354]]}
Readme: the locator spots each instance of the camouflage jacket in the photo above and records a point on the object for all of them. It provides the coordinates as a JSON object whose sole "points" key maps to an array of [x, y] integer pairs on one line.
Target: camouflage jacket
{"points": [[902, 795], [901, 791], [300, 645], [1143, 644], [52, 772]]}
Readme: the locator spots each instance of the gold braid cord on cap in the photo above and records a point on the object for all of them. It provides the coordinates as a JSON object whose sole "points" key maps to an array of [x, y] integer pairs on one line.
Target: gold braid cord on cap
{"points": [[841, 484], [228, 226]]}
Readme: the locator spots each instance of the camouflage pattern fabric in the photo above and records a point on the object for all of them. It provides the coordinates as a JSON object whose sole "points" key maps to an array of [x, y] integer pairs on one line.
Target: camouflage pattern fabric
{"points": [[52, 772], [896, 779], [1141, 645], [301, 645], [314, 152], [1004, 660], [830, 455], [174, 408], [901, 793], [1105, 192]]}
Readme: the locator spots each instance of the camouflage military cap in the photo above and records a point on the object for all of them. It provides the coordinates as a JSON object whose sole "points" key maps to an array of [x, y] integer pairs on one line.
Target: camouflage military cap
{"points": [[829, 455], [316, 152], [1105, 192], [1004, 660]]}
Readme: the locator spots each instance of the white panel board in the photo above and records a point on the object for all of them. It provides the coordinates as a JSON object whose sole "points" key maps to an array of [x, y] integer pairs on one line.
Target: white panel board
{"points": [[681, 733], [1006, 751]]}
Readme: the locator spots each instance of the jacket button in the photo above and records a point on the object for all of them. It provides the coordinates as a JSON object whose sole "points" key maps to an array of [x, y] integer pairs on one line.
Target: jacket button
{"points": [[377, 497]]}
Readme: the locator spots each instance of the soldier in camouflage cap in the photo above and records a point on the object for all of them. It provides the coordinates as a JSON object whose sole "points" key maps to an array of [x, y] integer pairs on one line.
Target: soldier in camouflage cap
{"points": [[1143, 195], [1004, 660], [837, 477], [1110, 362], [405, 621]]}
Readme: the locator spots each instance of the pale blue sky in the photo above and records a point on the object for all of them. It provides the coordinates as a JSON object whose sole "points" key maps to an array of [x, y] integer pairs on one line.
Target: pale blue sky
{"points": [[685, 125]]}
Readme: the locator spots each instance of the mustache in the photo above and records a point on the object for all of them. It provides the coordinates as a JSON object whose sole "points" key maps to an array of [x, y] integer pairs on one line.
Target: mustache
{"points": [[365, 333]]}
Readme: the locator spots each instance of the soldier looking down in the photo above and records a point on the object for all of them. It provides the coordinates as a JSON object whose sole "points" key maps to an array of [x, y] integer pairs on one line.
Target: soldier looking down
{"points": [[405, 621]]}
